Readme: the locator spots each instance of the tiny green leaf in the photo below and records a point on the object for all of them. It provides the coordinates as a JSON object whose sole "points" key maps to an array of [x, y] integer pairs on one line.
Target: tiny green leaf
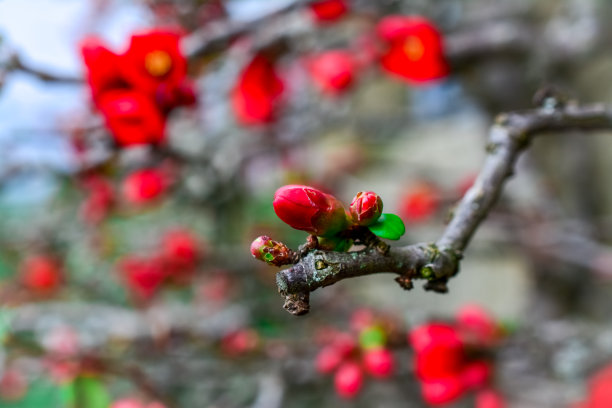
{"points": [[388, 226]]}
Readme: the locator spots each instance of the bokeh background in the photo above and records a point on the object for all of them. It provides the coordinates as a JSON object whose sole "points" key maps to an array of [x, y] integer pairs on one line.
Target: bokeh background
{"points": [[540, 263]]}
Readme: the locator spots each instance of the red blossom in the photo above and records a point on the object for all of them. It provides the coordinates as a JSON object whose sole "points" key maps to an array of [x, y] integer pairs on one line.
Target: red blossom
{"points": [[132, 118], [326, 11], [143, 276], [144, 186], [181, 251], [308, 209], [477, 325], [348, 380], [102, 67], [439, 351], [414, 49], [41, 274], [419, 203], [153, 60], [240, 342], [366, 208], [333, 71], [256, 95]]}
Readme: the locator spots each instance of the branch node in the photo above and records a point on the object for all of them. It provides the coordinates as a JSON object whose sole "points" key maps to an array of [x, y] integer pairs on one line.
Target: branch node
{"points": [[297, 303]]}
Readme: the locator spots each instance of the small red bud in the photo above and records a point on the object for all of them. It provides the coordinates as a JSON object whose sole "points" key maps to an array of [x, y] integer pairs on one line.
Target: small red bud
{"points": [[476, 375], [477, 325], [240, 342], [41, 273], [142, 276], [333, 71], [308, 209], [420, 203], [271, 252], [328, 10], [366, 208], [328, 359], [348, 380], [180, 249], [144, 186], [379, 362]]}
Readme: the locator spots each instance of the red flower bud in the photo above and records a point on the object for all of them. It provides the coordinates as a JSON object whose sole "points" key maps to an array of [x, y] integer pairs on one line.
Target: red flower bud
{"points": [[308, 209], [240, 342], [271, 252], [41, 274], [328, 359], [379, 362], [144, 186], [477, 326], [328, 10], [415, 52], [476, 375], [142, 276], [366, 208], [181, 249], [348, 380], [333, 71]]}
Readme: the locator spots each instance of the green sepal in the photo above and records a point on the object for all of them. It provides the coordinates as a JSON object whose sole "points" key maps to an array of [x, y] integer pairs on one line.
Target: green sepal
{"points": [[372, 337], [388, 226]]}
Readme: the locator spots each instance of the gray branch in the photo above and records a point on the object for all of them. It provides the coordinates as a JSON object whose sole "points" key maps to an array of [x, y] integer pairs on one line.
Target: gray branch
{"points": [[437, 262]]}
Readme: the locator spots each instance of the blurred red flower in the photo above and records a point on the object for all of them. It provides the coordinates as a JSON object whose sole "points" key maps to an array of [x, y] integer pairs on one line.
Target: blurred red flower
{"points": [[102, 66], [143, 276], [333, 71], [180, 251], [256, 95], [144, 186], [325, 11], [41, 273], [419, 203], [154, 59], [414, 49], [132, 118]]}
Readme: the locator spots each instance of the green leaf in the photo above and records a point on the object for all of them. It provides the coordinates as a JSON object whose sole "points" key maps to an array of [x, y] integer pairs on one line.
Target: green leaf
{"points": [[90, 392], [388, 226]]}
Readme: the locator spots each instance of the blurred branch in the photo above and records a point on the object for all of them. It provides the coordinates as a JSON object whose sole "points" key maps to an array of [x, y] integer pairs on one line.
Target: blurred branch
{"points": [[437, 262], [17, 64], [215, 37]]}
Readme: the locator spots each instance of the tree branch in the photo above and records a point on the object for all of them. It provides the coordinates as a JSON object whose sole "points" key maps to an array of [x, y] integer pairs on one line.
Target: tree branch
{"points": [[437, 262]]}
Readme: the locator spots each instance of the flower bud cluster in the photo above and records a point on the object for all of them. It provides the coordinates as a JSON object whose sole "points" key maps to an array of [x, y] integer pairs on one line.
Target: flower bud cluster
{"points": [[442, 355], [352, 355]]}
